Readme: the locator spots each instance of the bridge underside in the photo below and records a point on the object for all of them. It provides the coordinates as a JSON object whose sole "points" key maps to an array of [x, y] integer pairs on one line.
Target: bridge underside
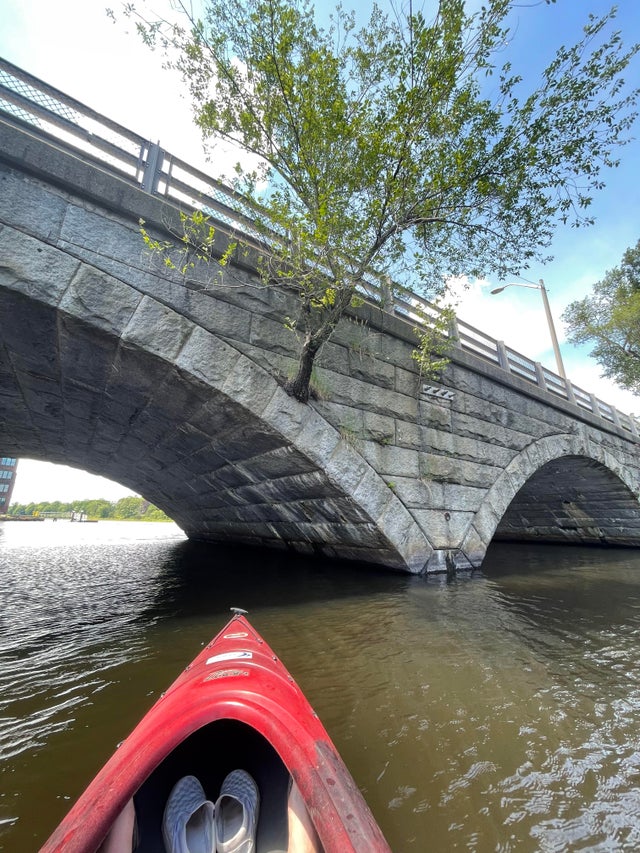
{"points": [[573, 500], [74, 395]]}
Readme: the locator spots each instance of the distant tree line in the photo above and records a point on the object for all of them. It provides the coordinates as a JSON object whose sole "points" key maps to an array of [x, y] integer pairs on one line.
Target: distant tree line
{"points": [[129, 508]]}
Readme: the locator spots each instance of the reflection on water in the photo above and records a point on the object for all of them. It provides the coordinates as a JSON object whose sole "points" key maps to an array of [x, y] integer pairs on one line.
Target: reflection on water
{"points": [[496, 712]]}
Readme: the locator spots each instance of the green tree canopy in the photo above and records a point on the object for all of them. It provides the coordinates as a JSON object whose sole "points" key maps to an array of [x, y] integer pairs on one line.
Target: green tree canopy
{"points": [[609, 318], [386, 150], [97, 508], [130, 508]]}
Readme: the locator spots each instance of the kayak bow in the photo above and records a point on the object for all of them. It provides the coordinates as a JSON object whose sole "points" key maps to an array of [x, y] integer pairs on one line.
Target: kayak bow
{"points": [[235, 706]]}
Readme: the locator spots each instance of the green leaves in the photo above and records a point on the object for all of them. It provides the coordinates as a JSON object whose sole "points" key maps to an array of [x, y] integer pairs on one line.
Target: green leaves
{"points": [[194, 243], [380, 151], [435, 340]]}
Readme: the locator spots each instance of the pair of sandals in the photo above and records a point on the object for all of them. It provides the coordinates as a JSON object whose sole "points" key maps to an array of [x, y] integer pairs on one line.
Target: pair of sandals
{"points": [[193, 824]]}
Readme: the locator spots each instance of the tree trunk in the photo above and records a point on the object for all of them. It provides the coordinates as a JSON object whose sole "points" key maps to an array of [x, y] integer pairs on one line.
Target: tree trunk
{"points": [[315, 339], [298, 386]]}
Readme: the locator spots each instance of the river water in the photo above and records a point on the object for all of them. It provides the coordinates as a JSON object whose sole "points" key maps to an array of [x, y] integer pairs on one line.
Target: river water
{"points": [[497, 712]]}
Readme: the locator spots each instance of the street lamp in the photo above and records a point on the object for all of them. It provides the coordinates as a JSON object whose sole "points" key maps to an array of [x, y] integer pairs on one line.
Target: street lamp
{"points": [[545, 299]]}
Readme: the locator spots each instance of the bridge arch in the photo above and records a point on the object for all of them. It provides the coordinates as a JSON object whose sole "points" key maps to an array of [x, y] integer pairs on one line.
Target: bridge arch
{"points": [[566, 488], [127, 387]]}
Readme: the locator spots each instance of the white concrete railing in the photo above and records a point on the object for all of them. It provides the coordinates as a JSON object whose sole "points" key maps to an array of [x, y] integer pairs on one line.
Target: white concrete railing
{"points": [[28, 100]]}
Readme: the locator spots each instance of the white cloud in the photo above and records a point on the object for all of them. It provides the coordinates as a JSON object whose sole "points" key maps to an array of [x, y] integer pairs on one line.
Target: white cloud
{"points": [[76, 48], [516, 316], [44, 481]]}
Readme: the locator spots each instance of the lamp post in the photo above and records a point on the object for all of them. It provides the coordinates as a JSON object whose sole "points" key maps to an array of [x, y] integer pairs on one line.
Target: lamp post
{"points": [[547, 309]]}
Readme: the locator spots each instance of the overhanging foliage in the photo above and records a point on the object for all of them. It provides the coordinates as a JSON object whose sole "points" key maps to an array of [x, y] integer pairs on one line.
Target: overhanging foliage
{"points": [[379, 152]]}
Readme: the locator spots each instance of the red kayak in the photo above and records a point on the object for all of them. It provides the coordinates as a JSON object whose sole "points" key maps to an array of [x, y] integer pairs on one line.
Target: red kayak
{"points": [[235, 706]]}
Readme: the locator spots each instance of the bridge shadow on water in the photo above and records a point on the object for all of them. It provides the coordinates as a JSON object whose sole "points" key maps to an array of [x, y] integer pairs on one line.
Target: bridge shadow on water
{"points": [[542, 582], [200, 578]]}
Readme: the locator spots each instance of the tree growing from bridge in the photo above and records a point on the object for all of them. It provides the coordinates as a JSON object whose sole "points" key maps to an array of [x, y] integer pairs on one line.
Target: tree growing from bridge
{"points": [[610, 319], [401, 149]]}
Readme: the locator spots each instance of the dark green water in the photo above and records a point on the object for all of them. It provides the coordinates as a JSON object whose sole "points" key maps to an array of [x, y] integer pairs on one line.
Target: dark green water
{"points": [[494, 713]]}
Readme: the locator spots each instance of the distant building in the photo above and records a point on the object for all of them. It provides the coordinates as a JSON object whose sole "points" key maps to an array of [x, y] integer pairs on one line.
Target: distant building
{"points": [[7, 481]]}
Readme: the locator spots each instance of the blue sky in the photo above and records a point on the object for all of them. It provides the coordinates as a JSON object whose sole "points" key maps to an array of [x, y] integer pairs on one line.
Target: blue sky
{"points": [[71, 44]]}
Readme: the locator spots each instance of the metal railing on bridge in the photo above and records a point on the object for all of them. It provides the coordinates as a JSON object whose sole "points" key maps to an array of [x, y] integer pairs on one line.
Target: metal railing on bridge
{"points": [[71, 124]]}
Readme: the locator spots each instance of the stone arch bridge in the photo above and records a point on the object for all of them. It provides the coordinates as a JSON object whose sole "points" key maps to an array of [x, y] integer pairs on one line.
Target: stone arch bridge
{"points": [[171, 387]]}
